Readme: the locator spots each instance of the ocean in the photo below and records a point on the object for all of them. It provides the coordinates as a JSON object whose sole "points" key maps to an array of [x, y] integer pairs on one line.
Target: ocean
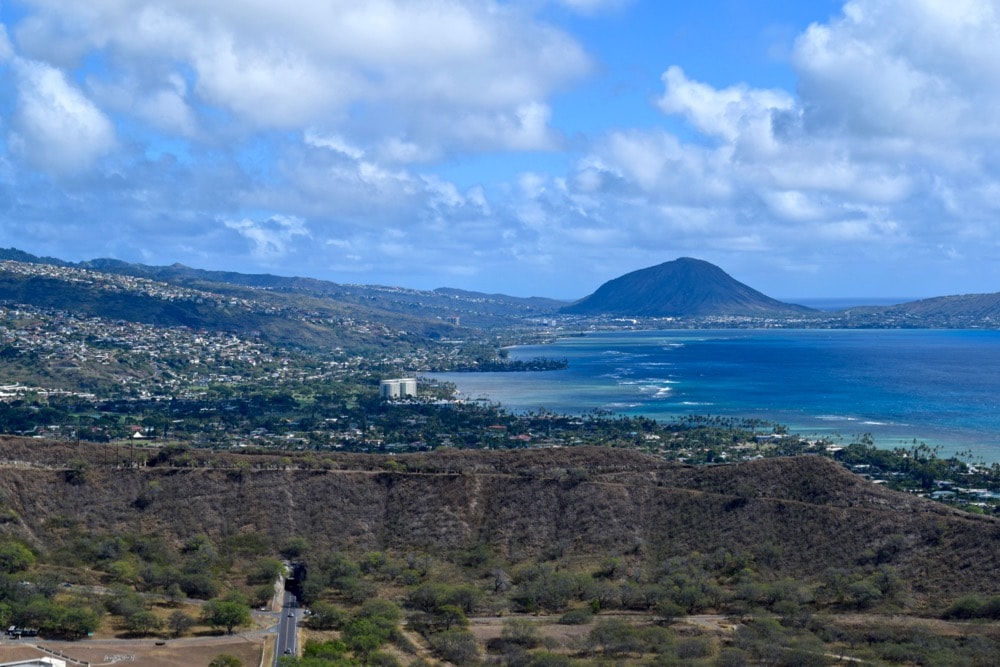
{"points": [[900, 386]]}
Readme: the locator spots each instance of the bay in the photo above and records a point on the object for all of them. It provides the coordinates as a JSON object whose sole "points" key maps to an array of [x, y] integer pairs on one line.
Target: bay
{"points": [[940, 387]]}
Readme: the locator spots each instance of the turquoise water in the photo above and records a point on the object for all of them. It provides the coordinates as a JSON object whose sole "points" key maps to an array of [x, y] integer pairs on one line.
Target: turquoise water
{"points": [[938, 387]]}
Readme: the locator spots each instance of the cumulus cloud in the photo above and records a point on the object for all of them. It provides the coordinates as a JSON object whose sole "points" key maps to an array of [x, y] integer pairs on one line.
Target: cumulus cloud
{"points": [[423, 67], [729, 114], [524, 128], [921, 71], [271, 238], [165, 105], [56, 127]]}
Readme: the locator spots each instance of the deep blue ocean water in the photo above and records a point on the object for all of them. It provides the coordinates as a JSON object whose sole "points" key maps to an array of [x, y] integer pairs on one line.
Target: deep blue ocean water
{"points": [[938, 387]]}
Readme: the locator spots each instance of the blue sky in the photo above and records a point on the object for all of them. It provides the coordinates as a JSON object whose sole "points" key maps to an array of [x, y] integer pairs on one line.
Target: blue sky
{"points": [[532, 147]]}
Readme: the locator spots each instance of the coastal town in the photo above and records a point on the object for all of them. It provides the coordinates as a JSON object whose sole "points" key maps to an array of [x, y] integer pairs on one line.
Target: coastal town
{"points": [[75, 375]]}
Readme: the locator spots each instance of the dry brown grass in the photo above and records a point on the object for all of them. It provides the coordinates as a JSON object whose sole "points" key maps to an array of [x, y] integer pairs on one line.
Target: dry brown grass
{"points": [[173, 653]]}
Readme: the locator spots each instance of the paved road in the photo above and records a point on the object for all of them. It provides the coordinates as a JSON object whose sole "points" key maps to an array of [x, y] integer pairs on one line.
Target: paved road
{"points": [[288, 623]]}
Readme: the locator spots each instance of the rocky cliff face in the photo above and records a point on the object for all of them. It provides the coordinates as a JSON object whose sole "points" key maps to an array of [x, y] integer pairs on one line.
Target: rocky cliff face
{"points": [[582, 504]]}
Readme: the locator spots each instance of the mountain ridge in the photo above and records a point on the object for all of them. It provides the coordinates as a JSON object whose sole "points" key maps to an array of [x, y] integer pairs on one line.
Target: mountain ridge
{"points": [[587, 501], [683, 288]]}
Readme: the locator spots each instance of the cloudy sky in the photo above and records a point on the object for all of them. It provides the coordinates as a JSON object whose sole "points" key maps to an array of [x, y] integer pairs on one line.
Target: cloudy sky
{"points": [[533, 147]]}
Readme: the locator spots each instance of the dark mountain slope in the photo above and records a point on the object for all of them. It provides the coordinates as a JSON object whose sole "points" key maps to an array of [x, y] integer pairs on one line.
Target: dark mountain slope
{"points": [[682, 288], [281, 319], [976, 306], [395, 306], [587, 503]]}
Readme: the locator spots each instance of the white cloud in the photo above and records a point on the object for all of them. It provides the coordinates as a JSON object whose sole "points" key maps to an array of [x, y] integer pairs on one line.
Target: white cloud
{"points": [[56, 127], [334, 143], [398, 150], [593, 6], [271, 238], [665, 168], [794, 205], [165, 106], [437, 72], [6, 50], [523, 128], [270, 85], [858, 230], [168, 108], [729, 114], [920, 69]]}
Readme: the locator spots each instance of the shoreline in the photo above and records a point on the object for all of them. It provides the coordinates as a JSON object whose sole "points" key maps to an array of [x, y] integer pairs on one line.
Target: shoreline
{"points": [[900, 387]]}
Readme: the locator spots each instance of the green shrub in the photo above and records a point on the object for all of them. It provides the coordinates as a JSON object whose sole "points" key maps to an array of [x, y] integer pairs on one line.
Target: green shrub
{"points": [[15, 557], [732, 657], [616, 637], [580, 616], [546, 659], [693, 648], [966, 607], [457, 646], [522, 632]]}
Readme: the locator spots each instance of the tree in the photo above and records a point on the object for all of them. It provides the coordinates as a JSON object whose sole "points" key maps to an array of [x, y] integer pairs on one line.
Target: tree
{"points": [[667, 611], [124, 571], [262, 595], [457, 646], [143, 622], [363, 636], [178, 623], [295, 547], [200, 584], [15, 557], [225, 660], [77, 473], [448, 616], [522, 632], [226, 614], [71, 621], [265, 570], [174, 593], [326, 616], [617, 637]]}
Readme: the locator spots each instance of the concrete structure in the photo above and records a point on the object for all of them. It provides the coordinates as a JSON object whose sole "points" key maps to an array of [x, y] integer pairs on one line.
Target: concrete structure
{"points": [[398, 388]]}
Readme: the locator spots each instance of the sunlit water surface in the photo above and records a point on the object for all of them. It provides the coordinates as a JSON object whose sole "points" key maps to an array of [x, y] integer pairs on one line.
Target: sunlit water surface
{"points": [[938, 387]]}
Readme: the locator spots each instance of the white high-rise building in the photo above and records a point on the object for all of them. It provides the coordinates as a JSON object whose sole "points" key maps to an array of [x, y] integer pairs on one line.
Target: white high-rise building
{"points": [[389, 389], [398, 388]]}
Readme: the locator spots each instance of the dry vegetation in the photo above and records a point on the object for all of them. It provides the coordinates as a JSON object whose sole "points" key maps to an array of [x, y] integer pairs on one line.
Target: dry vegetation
{"points": [[586, 504], [660, 562]]}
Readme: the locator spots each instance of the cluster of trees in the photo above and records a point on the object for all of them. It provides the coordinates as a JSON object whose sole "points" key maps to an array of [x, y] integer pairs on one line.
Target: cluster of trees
{"points": [[28, 601], [149, 563], [31, 599], [438, 606], [373, 600], [137, 617], [363, 635]]}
